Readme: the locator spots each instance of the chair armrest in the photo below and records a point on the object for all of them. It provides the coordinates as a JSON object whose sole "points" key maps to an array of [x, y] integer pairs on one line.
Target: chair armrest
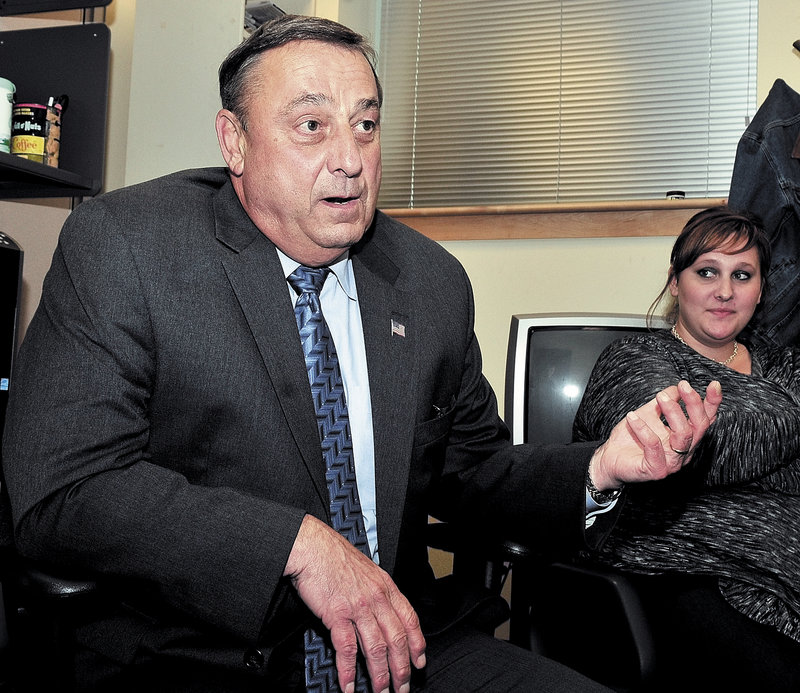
{"points": [[592, 619], [41, 581]]}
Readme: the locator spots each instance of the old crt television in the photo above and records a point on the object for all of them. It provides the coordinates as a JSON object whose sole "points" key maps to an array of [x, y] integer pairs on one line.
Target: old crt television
{"points": [[10, 289], [550, 359]]}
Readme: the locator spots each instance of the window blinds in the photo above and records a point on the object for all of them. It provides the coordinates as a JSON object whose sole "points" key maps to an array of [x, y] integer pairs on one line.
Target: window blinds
{"points": [[532, 101]]}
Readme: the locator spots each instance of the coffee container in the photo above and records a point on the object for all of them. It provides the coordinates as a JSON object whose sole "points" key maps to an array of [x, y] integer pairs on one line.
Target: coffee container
{"points": [[36, 132]]}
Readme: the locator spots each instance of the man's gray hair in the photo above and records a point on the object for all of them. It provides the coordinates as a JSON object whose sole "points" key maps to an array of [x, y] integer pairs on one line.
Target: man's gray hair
{"points": [[236, 68]]}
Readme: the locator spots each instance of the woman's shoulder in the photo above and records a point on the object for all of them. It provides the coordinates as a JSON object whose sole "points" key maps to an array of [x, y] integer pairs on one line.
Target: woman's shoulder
{"points": [[654, 341], [632, 356]]}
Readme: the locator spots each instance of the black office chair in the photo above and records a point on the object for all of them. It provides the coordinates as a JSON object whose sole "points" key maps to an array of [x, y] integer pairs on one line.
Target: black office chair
{"points": [[561, 608], [5, 653], [39, 608], [35, 610], [589, 618]]}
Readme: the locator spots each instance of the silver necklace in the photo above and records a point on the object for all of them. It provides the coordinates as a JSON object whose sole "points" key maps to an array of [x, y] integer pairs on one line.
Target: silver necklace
{"points": [[723, 363]]}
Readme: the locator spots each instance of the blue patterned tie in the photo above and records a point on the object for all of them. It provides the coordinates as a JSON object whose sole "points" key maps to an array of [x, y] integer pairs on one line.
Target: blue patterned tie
{"points": [[327, 390]]}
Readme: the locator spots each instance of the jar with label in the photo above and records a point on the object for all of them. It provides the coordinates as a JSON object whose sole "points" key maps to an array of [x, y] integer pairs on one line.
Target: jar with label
{"points": [[36, 132]]}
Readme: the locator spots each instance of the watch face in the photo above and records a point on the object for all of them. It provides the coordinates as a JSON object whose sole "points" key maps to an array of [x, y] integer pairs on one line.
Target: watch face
{"points": [[601, 497], [604, 497]]}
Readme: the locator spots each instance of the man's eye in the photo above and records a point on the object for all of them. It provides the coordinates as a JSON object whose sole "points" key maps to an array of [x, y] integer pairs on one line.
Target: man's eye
{"points": [[367, 125], [311, 125]]}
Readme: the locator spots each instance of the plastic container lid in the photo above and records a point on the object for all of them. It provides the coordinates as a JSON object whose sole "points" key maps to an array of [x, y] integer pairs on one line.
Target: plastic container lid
{"points": [[7, 85]]}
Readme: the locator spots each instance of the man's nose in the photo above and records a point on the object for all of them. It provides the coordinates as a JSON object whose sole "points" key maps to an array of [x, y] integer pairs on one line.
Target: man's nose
{"points": [[345, 154]]}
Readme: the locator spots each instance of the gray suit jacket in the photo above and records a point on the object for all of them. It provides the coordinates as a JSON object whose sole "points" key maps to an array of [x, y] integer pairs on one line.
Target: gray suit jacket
{"points": [[160, 431]]}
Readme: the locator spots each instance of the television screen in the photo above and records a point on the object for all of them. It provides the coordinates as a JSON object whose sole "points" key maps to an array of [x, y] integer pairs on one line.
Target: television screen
{"points": [[550, 359]]}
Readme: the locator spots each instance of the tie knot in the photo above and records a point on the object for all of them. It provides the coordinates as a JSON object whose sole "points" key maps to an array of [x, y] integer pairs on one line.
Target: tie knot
{"points": [[308, 280]]}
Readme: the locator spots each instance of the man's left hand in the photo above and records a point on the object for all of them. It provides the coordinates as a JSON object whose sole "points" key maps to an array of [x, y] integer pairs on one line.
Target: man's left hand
{"points": [[642, 448]]}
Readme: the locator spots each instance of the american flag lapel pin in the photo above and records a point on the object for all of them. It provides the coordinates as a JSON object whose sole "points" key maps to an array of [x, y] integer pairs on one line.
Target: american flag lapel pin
{"points": [[398, 328]]}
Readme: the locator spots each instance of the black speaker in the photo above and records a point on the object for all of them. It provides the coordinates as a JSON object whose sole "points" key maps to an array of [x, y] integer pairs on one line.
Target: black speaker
{"points": [[10, 288], [10, 297]]}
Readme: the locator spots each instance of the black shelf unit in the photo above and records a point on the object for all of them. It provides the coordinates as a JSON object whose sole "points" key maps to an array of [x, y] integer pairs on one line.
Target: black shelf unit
{"points": [[73, 60], [9, 7]]}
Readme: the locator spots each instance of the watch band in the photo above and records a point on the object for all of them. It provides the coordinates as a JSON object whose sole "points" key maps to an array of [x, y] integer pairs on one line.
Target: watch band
{"points": [[602, 497]]}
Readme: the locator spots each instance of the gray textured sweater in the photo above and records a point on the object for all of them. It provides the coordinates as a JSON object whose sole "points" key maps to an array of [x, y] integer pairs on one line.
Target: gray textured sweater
{"points": [[734, 511]]}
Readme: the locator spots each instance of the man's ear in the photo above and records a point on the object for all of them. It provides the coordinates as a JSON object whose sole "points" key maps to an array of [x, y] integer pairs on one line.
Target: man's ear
{"points": [[230, 135]]}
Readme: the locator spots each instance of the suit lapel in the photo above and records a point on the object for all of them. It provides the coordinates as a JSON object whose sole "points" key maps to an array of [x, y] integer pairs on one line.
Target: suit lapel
{"points": [[392, 376], [256, 278]]}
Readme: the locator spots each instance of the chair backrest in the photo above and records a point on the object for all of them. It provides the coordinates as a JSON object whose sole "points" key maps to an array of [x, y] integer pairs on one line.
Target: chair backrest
{"points": [[550, 359]]}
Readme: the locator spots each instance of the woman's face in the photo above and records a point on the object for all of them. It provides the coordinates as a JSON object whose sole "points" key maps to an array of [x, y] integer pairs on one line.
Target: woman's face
{"points": [[717, 295]]}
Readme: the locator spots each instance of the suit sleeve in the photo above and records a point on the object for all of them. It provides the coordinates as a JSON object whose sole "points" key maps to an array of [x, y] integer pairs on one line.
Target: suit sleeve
{"points": [[536, 495], [83, 486]]}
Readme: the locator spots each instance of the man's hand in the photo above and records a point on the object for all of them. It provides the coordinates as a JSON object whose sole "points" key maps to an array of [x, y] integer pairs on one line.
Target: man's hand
{"points": [[642, 448], [359, 604]]}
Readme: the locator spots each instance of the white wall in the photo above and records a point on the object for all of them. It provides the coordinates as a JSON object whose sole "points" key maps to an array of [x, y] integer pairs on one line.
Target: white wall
{"points": [[360, 15], [778, 29], [618, 275], [176, 50]]}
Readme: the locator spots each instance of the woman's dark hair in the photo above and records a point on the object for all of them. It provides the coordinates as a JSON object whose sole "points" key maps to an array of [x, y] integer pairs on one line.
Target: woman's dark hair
{"points": [[236, 68], [716, 228]]}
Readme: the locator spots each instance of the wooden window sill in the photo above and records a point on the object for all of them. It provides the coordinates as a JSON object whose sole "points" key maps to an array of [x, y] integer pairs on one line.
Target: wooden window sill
{"points": [[573, 220]]}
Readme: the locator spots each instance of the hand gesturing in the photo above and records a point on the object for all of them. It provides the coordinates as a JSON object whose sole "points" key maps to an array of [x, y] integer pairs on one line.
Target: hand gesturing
{"points": [[642, 448]]}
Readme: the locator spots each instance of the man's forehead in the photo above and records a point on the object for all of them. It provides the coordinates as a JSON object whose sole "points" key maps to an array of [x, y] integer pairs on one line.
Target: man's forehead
{"points": [[316, 74], [315, 55]]}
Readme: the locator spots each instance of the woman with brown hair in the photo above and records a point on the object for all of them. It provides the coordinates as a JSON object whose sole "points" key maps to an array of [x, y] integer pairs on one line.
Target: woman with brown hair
{"points": [[719, 540]]}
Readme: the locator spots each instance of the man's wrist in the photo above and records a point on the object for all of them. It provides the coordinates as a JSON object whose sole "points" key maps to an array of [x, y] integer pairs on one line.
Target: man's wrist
{"points": [[602, 497]]}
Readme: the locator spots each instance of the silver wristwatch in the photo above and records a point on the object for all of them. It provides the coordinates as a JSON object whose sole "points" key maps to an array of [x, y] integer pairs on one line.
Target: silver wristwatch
{"points": [[602, 497]]}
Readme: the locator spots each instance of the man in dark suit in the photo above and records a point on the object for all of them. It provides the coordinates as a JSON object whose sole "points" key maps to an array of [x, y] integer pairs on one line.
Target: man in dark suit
{"points": [[161, 432]]}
